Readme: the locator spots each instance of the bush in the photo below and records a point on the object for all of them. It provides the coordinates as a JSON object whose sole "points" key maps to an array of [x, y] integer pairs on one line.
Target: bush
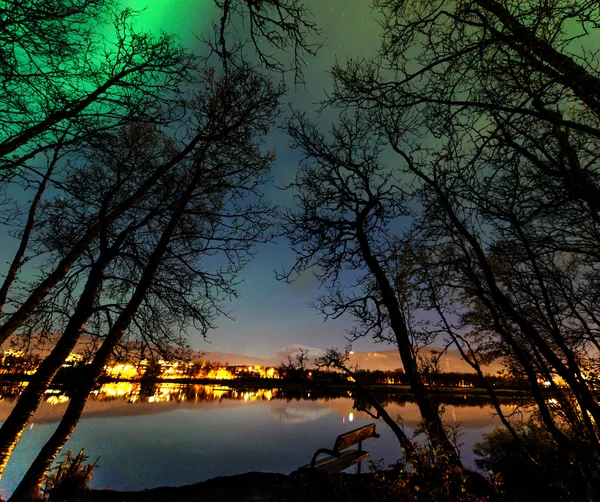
{"points": [[548, 473], [69, 477], [432, 476]]}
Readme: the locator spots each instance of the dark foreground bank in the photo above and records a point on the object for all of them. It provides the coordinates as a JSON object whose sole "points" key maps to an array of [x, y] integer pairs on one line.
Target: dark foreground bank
{"points": [[274, 487]]}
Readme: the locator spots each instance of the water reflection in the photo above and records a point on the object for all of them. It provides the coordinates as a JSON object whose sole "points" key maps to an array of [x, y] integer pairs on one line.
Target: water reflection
{"points": [[173, 434], [167, 392], [287, 405], [160, 392]]}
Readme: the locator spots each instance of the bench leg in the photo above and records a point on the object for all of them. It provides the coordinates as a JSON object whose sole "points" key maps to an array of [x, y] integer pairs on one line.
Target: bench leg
{"points": [[360, 463]]}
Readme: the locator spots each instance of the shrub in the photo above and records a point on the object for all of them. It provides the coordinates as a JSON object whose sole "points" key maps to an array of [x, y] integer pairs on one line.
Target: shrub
{"points": [[432, 476], [547, 473], [69, 477]]}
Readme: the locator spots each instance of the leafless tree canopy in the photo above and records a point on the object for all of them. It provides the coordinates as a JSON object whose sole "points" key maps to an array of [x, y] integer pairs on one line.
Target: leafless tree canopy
{"points": [[491, 108], [149, 203]]}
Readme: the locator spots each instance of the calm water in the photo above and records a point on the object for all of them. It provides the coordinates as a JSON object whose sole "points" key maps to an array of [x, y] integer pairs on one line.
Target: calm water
{"points": [[176, 435]]}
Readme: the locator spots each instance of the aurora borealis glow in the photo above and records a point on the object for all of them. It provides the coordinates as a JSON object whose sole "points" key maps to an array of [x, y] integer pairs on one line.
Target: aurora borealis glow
{"points": [[183, 18], [269, 314]]}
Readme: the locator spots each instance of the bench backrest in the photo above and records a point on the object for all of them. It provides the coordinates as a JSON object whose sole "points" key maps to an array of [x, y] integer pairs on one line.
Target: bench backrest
{"points": [[353, 437]]}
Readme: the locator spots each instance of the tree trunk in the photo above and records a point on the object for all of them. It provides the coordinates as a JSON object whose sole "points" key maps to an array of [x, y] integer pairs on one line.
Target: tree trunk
{"points": [[31, 397], [585, 85], [427, 408], [21, 414], [30, 484]]}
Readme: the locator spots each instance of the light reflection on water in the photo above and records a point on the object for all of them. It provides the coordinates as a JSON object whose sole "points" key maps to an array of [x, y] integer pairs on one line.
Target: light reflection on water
{"points": [[174, 434]]}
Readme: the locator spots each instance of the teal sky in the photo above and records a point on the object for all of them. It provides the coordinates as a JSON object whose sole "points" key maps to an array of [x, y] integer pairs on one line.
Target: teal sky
{"points": [[269, 314]]}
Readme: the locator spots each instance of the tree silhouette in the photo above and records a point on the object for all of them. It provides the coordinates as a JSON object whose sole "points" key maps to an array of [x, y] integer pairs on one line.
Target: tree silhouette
{"points": [[495, 122], [348, 205], [145, 266]]}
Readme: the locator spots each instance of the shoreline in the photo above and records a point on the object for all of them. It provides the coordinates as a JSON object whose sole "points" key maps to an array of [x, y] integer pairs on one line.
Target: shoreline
{"points": [[382, 486], [291, 385]]}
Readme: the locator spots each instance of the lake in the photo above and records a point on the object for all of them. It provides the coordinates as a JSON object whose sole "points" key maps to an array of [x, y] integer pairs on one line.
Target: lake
{"points": [[182, 434]]}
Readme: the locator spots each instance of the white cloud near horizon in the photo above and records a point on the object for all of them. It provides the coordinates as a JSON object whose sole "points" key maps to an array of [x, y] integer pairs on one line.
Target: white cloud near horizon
{"points": [[293, 349]]}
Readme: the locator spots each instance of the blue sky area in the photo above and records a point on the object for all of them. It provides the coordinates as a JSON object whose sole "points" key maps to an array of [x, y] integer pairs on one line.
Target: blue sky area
{"points": [[270, 314]]}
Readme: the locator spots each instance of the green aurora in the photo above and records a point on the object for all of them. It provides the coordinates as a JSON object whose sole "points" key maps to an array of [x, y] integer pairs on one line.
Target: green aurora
{"points": [[185, 18]]}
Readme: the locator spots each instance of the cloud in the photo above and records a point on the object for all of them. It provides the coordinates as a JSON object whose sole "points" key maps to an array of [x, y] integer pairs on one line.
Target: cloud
{"points": [[293, 349], [297, 413]]}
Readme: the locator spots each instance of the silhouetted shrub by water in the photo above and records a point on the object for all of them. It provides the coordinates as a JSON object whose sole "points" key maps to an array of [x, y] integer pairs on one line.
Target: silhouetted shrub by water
{"points": [[547, 472], [429, 474], [70, 477]]}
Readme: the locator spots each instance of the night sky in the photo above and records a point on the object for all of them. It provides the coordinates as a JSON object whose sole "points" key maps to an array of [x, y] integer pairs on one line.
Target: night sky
{"points": [[269, 314]]}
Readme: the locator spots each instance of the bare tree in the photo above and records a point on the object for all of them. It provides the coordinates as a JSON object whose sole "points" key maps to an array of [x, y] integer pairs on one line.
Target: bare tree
{"points": [[492, 108], [212, 216], [349, 207], [514, 283], [272, 28], [63, 88], [296, 367], [224, 106], [102, 237], [218, 221], [488, 66]]}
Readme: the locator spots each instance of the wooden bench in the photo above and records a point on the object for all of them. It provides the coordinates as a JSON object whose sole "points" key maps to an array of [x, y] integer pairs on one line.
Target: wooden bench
{"points": [[340, 458]]}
